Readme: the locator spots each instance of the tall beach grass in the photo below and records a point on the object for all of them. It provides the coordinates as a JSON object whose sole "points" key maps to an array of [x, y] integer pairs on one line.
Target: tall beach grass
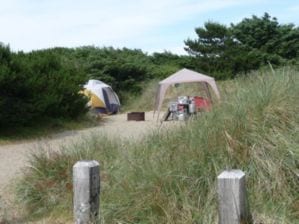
{"points": [[169, 176]]}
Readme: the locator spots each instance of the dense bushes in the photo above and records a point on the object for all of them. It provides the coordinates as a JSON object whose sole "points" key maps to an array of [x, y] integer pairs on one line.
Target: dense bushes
{"points": [[38, 86], [44, 84], [126, 70]]}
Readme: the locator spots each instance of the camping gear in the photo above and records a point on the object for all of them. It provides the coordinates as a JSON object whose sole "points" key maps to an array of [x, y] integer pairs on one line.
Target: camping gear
{"points": [[183, 99], [192, 106], [202, 104], [182, 109], [182, 113], [101, 96], [173, 107], [185, 76]]}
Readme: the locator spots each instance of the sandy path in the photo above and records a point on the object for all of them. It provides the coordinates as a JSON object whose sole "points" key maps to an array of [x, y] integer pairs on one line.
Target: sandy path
{"points": [[13, 157]]}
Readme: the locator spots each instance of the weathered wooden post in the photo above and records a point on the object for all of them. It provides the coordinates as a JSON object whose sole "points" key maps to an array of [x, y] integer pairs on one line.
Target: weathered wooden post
{"points": [[86, 181], [232, 201]]}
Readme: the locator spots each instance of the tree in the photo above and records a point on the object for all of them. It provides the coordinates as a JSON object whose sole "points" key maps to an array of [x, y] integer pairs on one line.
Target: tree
{"points": [[216, 51], [268, 36], [166, 63], [211, 40], [226, 51]]}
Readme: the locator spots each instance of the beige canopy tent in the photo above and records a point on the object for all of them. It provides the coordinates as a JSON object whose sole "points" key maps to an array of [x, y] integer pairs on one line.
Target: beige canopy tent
{"points": [[183, 76]]}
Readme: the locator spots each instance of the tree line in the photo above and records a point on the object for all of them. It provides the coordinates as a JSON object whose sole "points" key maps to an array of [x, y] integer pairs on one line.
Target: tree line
{"points": [[44, 84], [228, 51]]}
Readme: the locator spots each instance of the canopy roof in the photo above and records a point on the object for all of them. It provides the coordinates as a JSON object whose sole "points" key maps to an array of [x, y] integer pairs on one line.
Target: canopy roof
{"points": [[93, 83], [183, 76]]}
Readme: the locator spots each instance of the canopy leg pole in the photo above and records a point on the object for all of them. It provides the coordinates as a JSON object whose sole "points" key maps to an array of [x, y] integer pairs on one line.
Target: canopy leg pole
{"points": [[208, 92]]}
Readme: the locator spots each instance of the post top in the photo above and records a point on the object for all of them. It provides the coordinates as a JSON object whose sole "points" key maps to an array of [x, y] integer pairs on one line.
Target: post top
{"points": [[231, 174], [86, 163]]}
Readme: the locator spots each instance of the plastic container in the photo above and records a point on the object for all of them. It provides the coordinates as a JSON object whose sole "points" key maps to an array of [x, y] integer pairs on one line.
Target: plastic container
{"points": [[192, 107], [183, 99], [202, 104]]}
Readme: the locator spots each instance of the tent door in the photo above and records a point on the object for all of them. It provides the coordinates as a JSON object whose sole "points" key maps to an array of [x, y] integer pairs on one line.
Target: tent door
{"points": [[111, 100]]}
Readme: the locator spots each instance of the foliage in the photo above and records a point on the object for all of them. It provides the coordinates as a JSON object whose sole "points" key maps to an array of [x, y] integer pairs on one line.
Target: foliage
{"points": [[169, 176], [267, 35], [227, 51], [167, 63], [37, 86], [213, 49], [123, 69], [126, 70]]}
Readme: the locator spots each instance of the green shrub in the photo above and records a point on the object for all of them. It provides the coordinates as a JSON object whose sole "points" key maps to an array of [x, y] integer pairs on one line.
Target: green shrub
{"points": [[37, 86]]}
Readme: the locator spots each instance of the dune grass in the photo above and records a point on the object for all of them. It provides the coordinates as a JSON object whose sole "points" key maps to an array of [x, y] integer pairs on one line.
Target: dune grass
{"points": [[169, 176], [145, 101]]}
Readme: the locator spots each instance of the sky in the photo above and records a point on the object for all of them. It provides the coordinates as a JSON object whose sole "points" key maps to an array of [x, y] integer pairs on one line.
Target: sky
{"points": [[149, 25]]}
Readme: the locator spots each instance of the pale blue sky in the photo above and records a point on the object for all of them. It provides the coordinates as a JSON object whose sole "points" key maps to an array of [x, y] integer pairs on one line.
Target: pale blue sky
{"points": [[150, 25]]}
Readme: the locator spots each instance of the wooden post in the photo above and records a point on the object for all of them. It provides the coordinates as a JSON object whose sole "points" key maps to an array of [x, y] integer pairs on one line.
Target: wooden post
{"points": [[86, 181], [232, 201]]}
